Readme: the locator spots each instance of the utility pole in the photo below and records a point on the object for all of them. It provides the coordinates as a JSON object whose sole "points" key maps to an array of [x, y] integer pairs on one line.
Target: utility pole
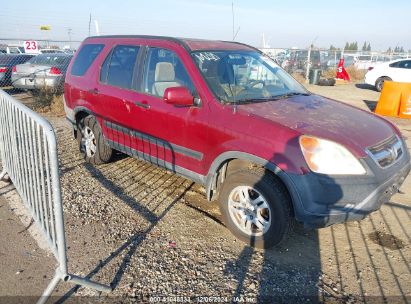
{"points": [[89, 25], [232, 12], [69, 34], [97, 28], [307, 71]]}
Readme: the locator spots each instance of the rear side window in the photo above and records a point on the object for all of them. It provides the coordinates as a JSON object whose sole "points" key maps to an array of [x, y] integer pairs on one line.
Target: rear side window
{"points": [[85, 57], [117, 69]]}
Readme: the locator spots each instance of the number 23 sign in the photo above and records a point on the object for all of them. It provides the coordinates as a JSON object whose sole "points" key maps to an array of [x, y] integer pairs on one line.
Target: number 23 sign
{"points": [[31, 46]]}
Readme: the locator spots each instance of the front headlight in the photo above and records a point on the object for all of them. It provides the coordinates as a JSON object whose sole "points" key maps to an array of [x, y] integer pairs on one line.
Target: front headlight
{"points": [[327, 157]]}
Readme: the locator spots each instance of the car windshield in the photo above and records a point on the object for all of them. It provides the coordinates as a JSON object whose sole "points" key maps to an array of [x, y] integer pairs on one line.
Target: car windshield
{"points": [[245, 76]]}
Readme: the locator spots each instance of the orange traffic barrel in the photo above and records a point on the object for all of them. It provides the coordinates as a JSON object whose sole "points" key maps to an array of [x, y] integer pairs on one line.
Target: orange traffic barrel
{"points": [[395, 100]]}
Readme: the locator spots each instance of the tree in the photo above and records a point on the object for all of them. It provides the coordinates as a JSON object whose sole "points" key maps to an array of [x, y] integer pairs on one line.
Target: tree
{"points": [[364, 47], [355, 46], [347, 46], [389, 50], [369, 47], [332, 48], [402, 50]]}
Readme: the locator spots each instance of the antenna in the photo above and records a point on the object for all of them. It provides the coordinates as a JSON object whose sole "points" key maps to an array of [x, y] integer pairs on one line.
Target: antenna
{"points": [[232, 13]]}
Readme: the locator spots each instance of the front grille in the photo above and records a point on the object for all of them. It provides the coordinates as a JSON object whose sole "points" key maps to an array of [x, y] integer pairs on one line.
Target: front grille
{"points": [[386, 152], [382, 145]]}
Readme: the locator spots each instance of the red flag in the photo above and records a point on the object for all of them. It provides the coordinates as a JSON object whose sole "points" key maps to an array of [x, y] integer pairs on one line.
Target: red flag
{"points": [[341, 72]]}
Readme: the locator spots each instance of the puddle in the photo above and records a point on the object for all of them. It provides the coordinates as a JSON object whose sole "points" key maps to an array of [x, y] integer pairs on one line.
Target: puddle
{"points": [[386, 240]]}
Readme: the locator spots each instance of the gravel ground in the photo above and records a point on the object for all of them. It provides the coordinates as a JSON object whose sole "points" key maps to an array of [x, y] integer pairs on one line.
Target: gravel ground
{"points": [[147, 232]]}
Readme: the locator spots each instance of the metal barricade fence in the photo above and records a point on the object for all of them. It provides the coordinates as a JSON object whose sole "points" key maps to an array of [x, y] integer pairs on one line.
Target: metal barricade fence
{"points": [[28, 150]]}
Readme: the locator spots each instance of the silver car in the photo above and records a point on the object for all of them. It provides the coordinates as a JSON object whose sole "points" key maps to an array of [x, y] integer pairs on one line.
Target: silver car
{"points": [[43, 71]]}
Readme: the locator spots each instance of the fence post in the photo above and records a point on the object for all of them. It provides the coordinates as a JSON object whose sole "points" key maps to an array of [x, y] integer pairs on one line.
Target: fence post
{"points": [[307, 71]]}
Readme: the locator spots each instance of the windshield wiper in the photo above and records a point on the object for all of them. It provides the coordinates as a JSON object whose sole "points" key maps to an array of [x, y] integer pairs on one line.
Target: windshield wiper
{"points": [[251, 100], [275, 97], [290, 94]]}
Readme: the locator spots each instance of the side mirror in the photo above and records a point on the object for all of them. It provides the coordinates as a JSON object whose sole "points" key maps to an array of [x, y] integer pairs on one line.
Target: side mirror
{"points": [[178, 96]]}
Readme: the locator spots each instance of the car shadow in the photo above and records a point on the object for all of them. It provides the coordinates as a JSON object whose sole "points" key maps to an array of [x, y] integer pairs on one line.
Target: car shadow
{"points": [[129, 247], [294, 271], [364, 86], [371, 104]]}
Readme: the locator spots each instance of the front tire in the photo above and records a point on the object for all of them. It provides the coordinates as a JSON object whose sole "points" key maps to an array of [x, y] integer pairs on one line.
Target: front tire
{"points": [[91, 142], [256, 207]]}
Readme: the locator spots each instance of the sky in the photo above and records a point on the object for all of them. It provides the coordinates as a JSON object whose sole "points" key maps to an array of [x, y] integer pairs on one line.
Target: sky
{"points": [[284, 24]]}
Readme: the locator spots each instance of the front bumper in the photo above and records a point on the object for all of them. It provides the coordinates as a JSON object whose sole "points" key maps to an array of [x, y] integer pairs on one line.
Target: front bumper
{"points": [[321, 200]]}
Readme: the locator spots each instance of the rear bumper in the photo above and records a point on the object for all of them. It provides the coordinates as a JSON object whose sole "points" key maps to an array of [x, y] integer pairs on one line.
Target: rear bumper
{"points": [[29, 83], [321, 200]]}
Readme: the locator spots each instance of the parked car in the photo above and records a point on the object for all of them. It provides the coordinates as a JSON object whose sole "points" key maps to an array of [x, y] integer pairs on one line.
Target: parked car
{"points": [[7, 62], [42, 71], [365, 62], [397, 70], [266, 148]]}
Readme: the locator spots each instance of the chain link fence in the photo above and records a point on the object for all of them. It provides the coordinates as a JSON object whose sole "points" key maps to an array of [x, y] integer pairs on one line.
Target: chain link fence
{"points": [[38, 67], [299, 61]]}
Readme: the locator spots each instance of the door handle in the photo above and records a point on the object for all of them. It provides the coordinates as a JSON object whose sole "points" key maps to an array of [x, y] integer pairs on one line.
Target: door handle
{"points": [[142, 104], [93, 91]]}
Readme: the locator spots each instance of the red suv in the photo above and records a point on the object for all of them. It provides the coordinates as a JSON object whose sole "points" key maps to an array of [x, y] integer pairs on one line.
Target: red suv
{"points": [[226, 116]]}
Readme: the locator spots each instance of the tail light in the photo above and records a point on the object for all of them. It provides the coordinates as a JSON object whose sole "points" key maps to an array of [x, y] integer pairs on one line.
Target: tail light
{"points": [[370, 68], [3, 69], [14, 69], [55, 71]]}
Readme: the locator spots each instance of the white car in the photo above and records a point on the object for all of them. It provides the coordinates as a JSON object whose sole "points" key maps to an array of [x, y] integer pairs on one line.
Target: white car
{"points": [[397, 70]]}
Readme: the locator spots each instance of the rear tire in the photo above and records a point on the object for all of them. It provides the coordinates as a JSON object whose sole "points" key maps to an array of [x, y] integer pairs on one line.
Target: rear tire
{"points": [[379, 84], [92, 145], [264, 219]]}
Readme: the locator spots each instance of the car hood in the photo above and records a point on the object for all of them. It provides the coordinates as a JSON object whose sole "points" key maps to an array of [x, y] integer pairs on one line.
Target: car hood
{"points": [[325, 118]]}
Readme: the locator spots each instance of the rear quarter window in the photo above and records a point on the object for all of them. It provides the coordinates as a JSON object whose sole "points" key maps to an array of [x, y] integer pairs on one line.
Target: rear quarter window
{"points": [[85, 57]]}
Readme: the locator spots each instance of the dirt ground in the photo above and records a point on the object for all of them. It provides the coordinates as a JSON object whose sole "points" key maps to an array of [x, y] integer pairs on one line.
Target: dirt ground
{"points": [[147, 232]]}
